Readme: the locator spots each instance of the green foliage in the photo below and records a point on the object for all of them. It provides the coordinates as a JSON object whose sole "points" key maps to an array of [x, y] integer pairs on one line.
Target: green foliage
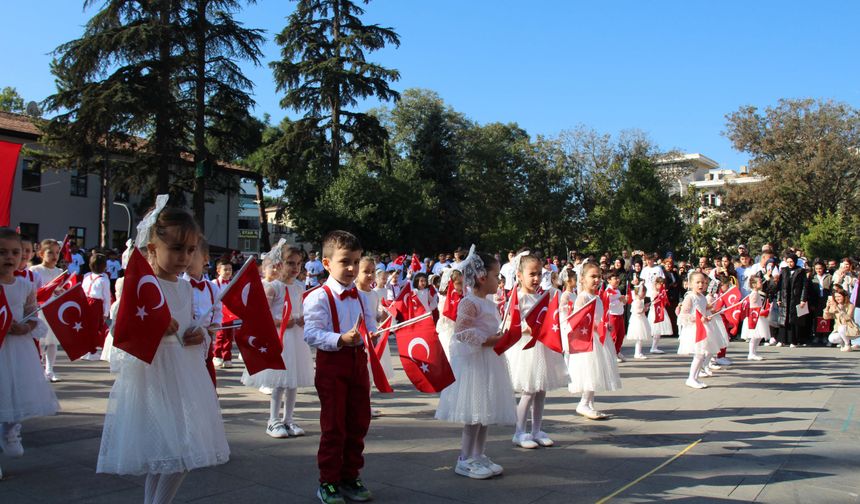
{"points": [[830, 235], [11, 101]]}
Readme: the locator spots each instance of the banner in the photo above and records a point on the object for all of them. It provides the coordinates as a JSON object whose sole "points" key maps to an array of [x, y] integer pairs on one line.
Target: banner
{"points": [[8, 163]]}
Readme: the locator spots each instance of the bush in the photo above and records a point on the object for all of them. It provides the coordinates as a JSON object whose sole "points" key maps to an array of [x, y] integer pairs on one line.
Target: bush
{"points": [[829, 235]]}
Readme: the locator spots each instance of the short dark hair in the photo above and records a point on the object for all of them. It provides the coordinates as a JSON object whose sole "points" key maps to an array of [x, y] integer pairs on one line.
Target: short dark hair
{"points": [[339, 239], [224, 261], [98, 263], [9, 234]]}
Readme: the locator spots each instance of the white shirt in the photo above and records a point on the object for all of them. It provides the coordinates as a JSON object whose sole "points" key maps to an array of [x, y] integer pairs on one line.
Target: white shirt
{"points": [[203, 302], [509, 274], [439, 266], [319, 325], [648, 274], [313, 268], [113, 267], [616, 303], [75, 265], [546, 279]]}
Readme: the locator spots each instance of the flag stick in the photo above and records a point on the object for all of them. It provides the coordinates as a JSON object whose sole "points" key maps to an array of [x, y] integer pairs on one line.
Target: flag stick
{"points": [[409, 322], [732, 306], [49, 302]]}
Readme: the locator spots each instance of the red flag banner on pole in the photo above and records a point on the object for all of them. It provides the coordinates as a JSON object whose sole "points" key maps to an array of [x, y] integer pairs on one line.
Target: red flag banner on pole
{"points": [[415, 266], [544, 323], [514, 330], [452, 301], [45, 292], [701, 331], [66, 250], [67, 315], [143, 315], [422, 356], [580, 339], [383, 331], [378, 374], [8, 164]]}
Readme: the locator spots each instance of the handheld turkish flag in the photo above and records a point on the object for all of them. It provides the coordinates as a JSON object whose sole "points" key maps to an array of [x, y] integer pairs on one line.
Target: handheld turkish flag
{"points": [[399, 260], [257, 337], [701, 331], [428, 368], [765, 309], [514, 330], [730, 297], [379, 378], [46, 291], [5, 316], [660, 301], [66, 250], [404, 303], [72, 281], [752, 319], [415, 266], [383, 331], [68, 318], [580, 339], [545, 325], [286, 314], [452, 301], [143, 314]]}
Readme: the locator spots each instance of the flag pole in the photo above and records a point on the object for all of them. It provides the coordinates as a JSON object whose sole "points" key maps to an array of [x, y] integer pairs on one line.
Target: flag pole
{"points": [[409, 322], [41, 307]]}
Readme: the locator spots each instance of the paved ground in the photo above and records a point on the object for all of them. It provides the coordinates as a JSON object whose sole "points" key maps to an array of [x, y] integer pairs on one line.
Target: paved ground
{"points": [[783, 430]]}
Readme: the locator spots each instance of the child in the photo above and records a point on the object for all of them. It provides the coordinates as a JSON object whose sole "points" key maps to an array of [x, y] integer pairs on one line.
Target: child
{"points": [[342, 381], [426, 295], [840, 309], [223, 351], [163, 419], [616, 311], [393, 286], [379, 285], [536, 370], [23, 268], [204, 298], [595, 371], [726, 282], [759, 329], [96, 285], [114, 266], [363, 282], [452, 285], [49, 251], [24, 393], [695, 301], [638, 327], [481, 394], [660, 324], [565, 303]]}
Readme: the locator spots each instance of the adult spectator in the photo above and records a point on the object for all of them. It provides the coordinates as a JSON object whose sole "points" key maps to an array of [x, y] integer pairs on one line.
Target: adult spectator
{"points": [[792, 295], [314, 270], [673, 291], [508, 272], [440, 265], [844, 276], [820, 287]]}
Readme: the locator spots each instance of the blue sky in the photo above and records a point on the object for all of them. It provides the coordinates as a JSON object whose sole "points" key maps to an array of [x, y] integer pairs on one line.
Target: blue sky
{"points": [[672, 69]]}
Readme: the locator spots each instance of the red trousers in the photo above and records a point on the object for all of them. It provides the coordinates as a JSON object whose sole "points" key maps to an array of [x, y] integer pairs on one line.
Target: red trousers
{"points": [[343, 386], [722, 352], [617, 322], [224, 344], [97, 319]]}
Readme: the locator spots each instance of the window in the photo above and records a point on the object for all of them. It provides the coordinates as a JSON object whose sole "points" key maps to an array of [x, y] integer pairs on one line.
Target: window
{"points": [[118, 239], [31, 176], [249, 224], [79, 234], [79, 183], [29, 231]]}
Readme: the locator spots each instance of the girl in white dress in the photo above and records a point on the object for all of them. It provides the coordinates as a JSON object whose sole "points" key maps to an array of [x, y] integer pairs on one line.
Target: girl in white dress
{"points": [[664, 327], [24, 392], [49, 251], [638, 327], [760, 329], [363, 282], [565, 304], [482, 394], [451, 285], [536, 370], [163, 419], [695, 301], [595, 371], [425, 293]]}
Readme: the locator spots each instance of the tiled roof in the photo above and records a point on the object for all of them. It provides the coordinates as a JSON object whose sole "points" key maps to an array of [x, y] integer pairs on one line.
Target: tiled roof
{"points": [[18, 123]]}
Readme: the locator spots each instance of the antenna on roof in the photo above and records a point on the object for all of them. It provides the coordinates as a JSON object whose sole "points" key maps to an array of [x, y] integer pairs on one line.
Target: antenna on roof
{"points": [[33, 109]]}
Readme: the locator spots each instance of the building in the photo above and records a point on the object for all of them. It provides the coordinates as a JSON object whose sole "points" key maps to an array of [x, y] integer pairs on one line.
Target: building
{"points": [[249, 218], [280, 226], [49, 204], [677, 171]]}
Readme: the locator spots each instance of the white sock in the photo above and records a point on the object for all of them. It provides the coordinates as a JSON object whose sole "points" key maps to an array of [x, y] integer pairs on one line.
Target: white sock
{"points": [[537, 411], [523, 408], [168, 485], [655, 342], [50, 358], [480, 441], [289, 405], [275, 404], [753, 345], [149, 487], [587, 399], [470, 433], [638, 350], [696, 366]]}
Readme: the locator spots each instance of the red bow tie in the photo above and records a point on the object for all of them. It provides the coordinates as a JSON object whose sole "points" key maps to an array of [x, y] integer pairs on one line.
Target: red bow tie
{"points": [[349, 293], [21, 273], [198, 285]]}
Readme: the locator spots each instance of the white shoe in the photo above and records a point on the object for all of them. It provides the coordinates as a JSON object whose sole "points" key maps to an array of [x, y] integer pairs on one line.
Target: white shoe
{"points": [[755, 357], [640, 356], [542, 439], [471, 468], [277, 430], [695, 384], [792, 346], [295, 431], [779, 343], [52, 377], [266, 390], [375, 413], [621, 358], [590, 413], [485, 461], [11, 441], [227, 364], [656, 351], [217, 362], [713, 365], [724, 361], [845, 348], [524, 440]]}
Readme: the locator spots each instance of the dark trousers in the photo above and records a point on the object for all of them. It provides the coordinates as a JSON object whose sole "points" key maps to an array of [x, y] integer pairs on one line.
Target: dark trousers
{"points": [[343, 386]]}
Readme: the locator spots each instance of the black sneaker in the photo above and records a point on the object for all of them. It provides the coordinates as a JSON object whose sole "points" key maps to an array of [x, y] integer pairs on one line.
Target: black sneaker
{"points": [[329, 494], [355, 490]]}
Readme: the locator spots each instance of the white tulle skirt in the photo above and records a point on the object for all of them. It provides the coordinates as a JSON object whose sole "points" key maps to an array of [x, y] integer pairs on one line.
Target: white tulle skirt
{"points": [[297, 359], [387, 361], [719, 329], [687, 344], [595, 371], [761, 331], [663, 328], [445, 329], [482, 392], [536, 369], [162, 418], [638, 329], [24, 392]]}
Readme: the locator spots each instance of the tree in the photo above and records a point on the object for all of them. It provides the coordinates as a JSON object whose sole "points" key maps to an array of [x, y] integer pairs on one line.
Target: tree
{"points": [[808, 151], [323, 70], [11, 101], [830, 236]]}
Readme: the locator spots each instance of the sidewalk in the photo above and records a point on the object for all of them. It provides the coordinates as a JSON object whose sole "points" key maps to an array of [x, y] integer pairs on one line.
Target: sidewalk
{"points": [[783, 430]]}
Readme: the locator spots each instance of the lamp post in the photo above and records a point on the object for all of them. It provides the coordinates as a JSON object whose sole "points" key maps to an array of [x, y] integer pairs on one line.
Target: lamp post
{"points": [[128, 212]]}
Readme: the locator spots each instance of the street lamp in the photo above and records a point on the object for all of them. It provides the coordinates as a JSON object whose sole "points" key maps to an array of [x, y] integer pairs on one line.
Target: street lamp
{"points": [[128, 212]]}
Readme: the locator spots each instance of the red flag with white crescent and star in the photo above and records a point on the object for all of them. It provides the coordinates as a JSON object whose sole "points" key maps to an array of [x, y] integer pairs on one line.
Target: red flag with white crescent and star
{"points": [[5, 315], [452, 301], [376, 371], [46, 291], [71, 281], [404, 304], [659, 304], [257, 337], [415, 266], [68, 318], [514, 330], [143, 315], [701, 330], [286, 315], [428, 368], [580, 339], [66, 250], [544, 324]]}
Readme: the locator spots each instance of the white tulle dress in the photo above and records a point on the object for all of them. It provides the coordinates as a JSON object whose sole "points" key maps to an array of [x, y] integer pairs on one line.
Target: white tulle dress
{"points": [[482, 392], [762, 328], [595, 371], [374, 299], [48, 275], [537, 369], [24, 392], [445, 329], [638, 327], [164, 418], [687, 344]]}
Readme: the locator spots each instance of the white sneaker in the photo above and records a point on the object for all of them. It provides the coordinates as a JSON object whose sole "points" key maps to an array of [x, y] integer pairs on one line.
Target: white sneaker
{"points": [[713, 365], [542, 439], [656, 351], [707, 372], [792, 346], [621, 358], [277, 430], [695, 384], [524, 440], [778, 343], [485, 461], [470, 468], [218, 362], [227, 364], [724, 361], [375, 412], [52, 377], [295, 431], [11, 441], [755, 357], [640, 356], [266, 390], [845, 348]]}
